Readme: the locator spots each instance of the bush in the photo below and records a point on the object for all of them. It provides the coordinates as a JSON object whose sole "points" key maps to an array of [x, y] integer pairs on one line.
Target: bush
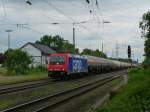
{"points": [[38, 69], [134, 97], [17, 61], [2, 58]]}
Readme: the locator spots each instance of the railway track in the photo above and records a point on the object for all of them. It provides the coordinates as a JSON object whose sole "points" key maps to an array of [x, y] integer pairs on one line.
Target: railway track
{"points": [[8, 89], [12, 88], [50, 102]]}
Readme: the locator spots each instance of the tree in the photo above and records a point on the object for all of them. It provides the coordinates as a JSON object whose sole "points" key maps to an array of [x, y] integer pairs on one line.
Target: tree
{"points": [[96, 53], [87, 51], [2, 58], [17, 61], [57, 43], [99, 53], [145, 27], [68, 47]]}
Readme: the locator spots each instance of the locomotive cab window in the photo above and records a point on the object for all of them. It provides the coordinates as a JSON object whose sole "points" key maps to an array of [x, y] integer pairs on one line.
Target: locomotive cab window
{"points": [[57, 60]]}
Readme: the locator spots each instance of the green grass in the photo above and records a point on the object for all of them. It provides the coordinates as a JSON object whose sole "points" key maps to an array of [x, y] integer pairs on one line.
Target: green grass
{"points": [[7, 78], [133, 97]]}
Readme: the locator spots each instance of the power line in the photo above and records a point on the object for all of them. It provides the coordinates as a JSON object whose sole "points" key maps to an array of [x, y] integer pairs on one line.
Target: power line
{"points": [[41, 13], [91, 6], [21, 26], [94, 12], [61, 12], [4, 8], [58, 10], [117, 50]]}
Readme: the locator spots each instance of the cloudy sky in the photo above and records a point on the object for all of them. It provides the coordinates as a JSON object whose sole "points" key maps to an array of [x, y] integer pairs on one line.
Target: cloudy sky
{"points": [[36, 20]]}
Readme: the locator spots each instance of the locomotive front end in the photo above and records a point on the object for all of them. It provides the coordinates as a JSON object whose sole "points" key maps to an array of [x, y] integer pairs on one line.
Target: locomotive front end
{"points": [[57, 65]]}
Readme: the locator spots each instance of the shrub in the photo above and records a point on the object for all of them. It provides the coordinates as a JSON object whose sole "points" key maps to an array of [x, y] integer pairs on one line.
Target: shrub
{"points": [[38, 69], [134, 97], [17, 61], [2, 58]]}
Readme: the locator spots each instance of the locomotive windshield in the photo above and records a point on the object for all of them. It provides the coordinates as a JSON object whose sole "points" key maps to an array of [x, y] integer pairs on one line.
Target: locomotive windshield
{"points": [[57, 60]]}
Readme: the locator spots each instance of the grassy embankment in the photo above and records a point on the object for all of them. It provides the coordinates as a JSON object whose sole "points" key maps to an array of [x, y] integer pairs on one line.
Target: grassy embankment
{"points": [[33, 74], [133, 97]]}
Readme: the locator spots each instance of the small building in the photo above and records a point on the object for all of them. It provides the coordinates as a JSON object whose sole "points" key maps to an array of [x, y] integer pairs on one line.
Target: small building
{"points": [[38, 52]]}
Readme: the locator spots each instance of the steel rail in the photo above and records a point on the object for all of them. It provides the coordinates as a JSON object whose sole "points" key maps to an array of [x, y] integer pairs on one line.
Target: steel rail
{"points": [[33, 105], [54, 105], [8, 89], [23, 87]]}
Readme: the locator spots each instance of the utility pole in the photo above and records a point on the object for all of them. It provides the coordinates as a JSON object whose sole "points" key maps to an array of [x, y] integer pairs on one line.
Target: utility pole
{"points": [[117, 50], [74, 23], [74, 35], [8, 31], [102, 48], [112, 53]]}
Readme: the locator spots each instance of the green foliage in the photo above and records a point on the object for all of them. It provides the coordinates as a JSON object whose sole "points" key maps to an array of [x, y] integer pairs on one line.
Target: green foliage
{"points": [[134, 97], [17, 61], [121, 59], [96, 53], [2, 58], [68, 47], [145, 27], [38, 69], [87, 52], [61, 45], [57, 43]]}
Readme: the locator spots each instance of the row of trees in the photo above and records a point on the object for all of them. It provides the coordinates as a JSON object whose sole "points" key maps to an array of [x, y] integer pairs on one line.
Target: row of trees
{"points": [[96, 53], [57, 43], [60, 45]]}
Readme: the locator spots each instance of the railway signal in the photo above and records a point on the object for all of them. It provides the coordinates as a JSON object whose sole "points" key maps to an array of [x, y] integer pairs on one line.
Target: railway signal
{"points": [[129, 51]]}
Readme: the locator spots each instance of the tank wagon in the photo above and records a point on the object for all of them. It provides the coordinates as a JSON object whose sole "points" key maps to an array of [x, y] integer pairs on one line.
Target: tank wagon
{"points": [[66, 64]]}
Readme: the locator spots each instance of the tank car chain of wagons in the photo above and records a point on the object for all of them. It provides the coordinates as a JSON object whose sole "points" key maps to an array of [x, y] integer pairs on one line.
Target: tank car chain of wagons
{"points": [[66, 64]]}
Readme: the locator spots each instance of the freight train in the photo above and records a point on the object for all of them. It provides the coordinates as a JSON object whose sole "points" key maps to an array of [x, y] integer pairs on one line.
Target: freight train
{"points": [[66, 64]]}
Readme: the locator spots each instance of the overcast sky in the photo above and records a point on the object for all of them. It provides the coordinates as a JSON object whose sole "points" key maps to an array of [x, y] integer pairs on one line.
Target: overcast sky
{"points": [[36, 19]]}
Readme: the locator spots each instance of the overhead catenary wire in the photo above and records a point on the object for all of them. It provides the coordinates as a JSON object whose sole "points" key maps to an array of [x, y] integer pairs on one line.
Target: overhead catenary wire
{"points": [[61, 12], [43, 14], [93, 6], [25, 27], [4, 8], [21, 25], [5, 20], [17, 25], [90, 5], [94, 10]]}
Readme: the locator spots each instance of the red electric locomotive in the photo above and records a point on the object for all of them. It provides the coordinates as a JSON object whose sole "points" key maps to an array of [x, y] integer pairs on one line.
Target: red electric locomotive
{"points": [[65, 64]]}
